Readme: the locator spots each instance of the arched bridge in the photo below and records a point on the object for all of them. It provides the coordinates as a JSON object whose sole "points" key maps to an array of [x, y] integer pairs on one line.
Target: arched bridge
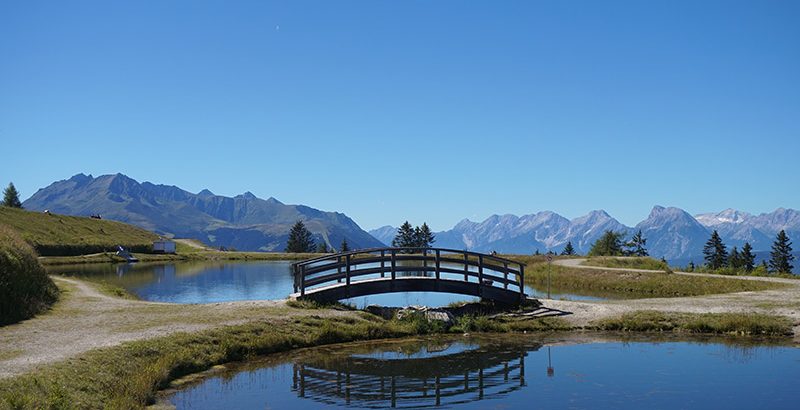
{"points": [[388, 270]]}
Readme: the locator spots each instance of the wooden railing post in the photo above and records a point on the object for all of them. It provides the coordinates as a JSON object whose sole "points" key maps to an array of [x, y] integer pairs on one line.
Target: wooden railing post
{"points": [[383, 263], [302, 280], [437, 265], [347, 276], [480, 275], [505, 275], [466, 267], [394, 263], [338, 269], [522, 282]]}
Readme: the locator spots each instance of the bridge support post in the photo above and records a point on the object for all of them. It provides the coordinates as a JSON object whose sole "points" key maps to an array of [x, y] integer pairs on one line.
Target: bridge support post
{"points": [[521, 283]]}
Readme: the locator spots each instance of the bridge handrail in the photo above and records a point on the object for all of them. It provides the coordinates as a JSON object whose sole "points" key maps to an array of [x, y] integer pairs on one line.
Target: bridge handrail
{"points": [[373, 250], [304, 271]]}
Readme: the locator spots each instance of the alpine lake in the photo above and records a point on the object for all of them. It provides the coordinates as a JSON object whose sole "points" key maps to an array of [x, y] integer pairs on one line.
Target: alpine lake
{"points": [[599, 371]]}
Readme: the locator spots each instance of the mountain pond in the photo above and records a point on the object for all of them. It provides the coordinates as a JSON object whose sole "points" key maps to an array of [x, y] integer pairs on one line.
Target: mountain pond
{"points": [[226, 281], [506, 372]]}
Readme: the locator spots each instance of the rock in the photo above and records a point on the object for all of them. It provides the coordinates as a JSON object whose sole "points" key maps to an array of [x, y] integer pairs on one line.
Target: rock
{"points": [[428, 313]]}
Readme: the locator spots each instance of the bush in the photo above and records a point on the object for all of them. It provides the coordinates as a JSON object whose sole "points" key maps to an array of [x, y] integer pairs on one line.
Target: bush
{"points": [[25, 288]]}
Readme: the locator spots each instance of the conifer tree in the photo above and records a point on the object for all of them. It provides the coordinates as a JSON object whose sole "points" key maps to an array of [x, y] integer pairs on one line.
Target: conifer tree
{"points": [[714, 252], [405, 237], [610, 244], [537, 253], [568, 249], [322, 247], [690, 267], [735, 259], [300, 239], [11, 197], [344, 247], [748, 258], [781, 257], [636, 246], [423, 236]]}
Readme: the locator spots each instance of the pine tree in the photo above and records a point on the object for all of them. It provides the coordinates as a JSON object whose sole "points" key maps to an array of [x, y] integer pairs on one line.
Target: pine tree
{"points": [[300, 239], [11, 197], [748, 258], [537, 253], [636, 246], [690, 268], [322, 247], [781, 257], [735, 259], [344, 247], [568, 250], [406, 237], [610, 244], [423, 236], [714, 252]]}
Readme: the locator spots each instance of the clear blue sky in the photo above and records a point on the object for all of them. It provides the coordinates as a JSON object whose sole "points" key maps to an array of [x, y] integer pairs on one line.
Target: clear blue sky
{"points": [[421, 110]]}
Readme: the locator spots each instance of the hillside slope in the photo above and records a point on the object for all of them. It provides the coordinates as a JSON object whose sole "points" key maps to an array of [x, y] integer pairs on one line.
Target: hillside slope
{"points": [[61, 235]]}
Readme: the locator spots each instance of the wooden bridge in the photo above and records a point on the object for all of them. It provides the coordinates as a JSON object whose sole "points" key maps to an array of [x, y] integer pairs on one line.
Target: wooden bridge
{"points": [[388, 270]]}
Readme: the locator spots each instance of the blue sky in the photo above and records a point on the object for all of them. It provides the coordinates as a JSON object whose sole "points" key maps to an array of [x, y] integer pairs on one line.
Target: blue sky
{"points": [[421, 110]]}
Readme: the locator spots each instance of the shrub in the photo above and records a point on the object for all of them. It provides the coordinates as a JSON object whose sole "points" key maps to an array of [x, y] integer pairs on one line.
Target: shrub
{"points": [[25, 288]]}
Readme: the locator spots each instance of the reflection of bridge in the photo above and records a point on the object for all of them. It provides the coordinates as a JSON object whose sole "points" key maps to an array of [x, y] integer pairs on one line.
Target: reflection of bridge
{"points": [[387, 270], [451, 379]]}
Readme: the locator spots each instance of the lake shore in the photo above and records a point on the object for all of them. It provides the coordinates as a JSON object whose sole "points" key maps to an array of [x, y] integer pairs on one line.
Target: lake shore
{"points": [[88, 330]]}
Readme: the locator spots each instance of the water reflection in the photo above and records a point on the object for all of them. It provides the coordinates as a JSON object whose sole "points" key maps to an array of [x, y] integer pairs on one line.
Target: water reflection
{"points": [[418, 380]]}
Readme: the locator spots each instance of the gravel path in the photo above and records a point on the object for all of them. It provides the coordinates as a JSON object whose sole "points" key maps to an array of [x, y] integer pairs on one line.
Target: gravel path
{"points": [[86, 319]]}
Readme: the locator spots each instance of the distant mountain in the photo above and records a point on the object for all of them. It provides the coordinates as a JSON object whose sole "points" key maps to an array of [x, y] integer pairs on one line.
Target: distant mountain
{"points": [[385, 234], [670, 232], [244, 222], [736, 227], [525, 234]]}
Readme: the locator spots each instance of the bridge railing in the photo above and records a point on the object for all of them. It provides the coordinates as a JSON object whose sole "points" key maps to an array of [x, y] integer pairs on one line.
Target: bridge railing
{"points": [[397, 263]]}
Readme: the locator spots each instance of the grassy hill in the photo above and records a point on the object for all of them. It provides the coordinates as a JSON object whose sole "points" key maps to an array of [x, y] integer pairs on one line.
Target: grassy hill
{"points": [[60, 235], [25, 289]]}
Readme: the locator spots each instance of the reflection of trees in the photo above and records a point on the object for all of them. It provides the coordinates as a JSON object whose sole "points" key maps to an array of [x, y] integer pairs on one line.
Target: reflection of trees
{"points": [[416, 381]]}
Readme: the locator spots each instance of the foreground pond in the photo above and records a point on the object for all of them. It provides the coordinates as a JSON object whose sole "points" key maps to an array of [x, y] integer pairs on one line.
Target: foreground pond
{"points": [[502, 371], [225, 281]]}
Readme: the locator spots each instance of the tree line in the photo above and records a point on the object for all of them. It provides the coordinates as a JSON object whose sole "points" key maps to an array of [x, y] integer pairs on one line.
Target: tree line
{"points": [[717, 257]]}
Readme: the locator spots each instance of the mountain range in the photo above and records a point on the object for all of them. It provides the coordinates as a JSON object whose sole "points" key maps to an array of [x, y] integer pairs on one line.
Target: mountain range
{"points": [[244, 222], [671, 232]]}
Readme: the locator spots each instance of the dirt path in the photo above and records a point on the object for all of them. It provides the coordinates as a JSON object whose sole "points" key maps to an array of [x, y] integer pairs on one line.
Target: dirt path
{"points": [[86, 319], [784, 302]]}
